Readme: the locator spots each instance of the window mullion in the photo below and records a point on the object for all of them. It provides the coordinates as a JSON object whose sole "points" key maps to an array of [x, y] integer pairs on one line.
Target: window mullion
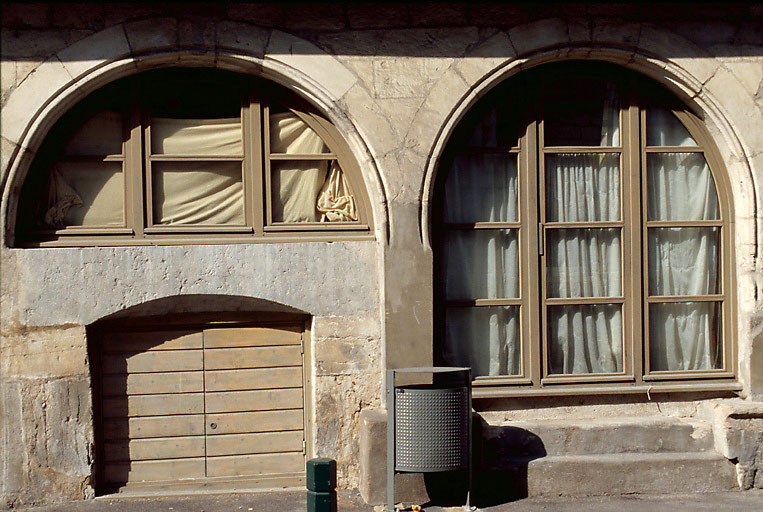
{"points": [[134, 171], [631, 184], [530, 271], [255, 139]]}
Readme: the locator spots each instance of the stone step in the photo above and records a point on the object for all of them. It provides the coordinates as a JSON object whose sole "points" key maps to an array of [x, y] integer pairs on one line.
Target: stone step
{"points": [[593, 436], [607, 474]]}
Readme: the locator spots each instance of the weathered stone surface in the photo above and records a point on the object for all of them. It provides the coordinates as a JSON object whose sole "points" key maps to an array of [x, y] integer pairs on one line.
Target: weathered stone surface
{"points": [[106, 45], [738, 430], [339, 401], [50, 352], [314, 17], [406, 77], [377, 16], [537, 35], [46, 438], [321, 278], [409, 487], [242, 37], [325, 69], [30, 96], [264, 15], [648, 434], [152, 34]]}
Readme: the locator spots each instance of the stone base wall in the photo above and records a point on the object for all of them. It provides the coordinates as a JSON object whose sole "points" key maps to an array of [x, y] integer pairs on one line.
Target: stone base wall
{"points": [[46, 416]]}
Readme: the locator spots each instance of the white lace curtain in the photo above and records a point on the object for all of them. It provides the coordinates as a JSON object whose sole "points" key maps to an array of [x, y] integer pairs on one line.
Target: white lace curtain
{"points": [[582, 339], [683, 261]]}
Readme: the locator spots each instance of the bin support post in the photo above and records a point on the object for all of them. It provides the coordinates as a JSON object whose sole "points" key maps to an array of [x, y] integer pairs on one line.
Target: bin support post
{"points": [[390, 441]]}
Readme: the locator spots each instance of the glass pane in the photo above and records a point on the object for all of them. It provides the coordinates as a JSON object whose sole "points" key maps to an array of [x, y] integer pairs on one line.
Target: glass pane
{"points": [[582, 187], [295, 186], [486, 339], [481, 264], [290, 134], [685, 336], [499, 127], [481, 188], [664, 129], [198, 193], [583, 263], [684, 261], [85, 194], [586, 338], [680, 186], [194, 93], [204, 137], [584, 112], [99, 136]]}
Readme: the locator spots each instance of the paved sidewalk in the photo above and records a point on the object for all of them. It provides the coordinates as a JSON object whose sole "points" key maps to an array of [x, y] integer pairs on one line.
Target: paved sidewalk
{"points": [[349, 501]]}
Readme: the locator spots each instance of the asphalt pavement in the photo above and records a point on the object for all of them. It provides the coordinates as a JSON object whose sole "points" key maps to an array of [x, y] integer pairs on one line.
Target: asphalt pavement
{"points": [[294, 500]]}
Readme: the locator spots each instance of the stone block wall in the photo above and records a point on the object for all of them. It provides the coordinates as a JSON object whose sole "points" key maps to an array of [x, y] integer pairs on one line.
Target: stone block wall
{"points": [[394, 79]]}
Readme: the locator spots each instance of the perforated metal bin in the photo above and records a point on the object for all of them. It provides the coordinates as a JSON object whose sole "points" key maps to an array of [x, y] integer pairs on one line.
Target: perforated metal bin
{"points": [[429, 425]]}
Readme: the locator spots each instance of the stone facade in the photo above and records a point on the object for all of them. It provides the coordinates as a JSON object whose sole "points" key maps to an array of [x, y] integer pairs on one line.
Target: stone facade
{"points": [[394, 80]]}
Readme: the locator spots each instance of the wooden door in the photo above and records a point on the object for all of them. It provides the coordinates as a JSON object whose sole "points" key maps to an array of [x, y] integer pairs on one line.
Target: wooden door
{"points": [[203, 404]]}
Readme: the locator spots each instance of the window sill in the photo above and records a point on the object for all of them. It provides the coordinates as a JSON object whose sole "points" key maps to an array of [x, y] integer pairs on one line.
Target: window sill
{"points": [[604, 389], [197, 239]]}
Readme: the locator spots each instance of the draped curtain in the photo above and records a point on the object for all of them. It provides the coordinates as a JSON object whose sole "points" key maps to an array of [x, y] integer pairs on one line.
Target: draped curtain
{"points": [[482, 264], [683, 261], [196, 191]]}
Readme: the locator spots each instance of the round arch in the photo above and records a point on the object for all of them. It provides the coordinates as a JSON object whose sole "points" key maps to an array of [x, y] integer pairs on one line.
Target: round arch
{"points": [[131, 48], [691, 87]]}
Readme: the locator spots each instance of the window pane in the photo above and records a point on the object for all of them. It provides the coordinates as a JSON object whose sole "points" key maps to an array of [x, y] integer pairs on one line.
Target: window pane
{"points": [[583, 263], [290, 134], [583, 112], [85, 194], [664, 129], [295, 187], [486, 339], [680, 186], [685, 336], [197, 193], [683, 261], [481, 264], [481, 188], [585, 338], [204, 137], [499, 127], [582, 187], [100, 135]]}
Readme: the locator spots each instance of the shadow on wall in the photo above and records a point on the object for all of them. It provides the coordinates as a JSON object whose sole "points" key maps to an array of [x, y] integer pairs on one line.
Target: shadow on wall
{"points": [[500, 468], [204, 304]]}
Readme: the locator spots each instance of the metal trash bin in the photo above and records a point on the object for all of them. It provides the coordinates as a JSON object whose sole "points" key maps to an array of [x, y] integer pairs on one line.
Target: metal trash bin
{"points": [[429, 425]]}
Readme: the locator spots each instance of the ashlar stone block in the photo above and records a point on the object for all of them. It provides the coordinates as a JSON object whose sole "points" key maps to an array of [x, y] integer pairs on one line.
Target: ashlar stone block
{"points": [[30, 96], [307, 58], [86, 54], [531, 37], [151, 34], [241, 37]]}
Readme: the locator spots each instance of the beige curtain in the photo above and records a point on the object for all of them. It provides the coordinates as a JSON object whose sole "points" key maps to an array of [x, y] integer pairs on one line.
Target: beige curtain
{"points": [[306, 191], [85, 194], [196, 137]]}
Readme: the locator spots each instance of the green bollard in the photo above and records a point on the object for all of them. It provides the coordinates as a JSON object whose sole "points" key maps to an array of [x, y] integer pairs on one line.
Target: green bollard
{"points": [[321, 482]]}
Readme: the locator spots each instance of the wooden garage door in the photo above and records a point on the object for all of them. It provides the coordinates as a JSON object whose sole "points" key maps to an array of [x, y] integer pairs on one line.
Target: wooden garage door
{"points": [[202, 404]]}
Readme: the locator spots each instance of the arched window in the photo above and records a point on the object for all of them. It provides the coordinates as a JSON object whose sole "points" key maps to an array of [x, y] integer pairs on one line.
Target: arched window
{"points": [[191, 155], [583, 236]]}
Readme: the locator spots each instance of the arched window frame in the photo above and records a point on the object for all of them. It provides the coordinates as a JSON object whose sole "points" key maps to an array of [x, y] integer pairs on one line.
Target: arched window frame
{"points": [[257, 96], [534, 377]]}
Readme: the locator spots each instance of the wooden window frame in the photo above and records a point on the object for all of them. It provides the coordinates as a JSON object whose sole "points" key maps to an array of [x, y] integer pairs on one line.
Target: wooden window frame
{"points": [[534, 378], [137, 161]]}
